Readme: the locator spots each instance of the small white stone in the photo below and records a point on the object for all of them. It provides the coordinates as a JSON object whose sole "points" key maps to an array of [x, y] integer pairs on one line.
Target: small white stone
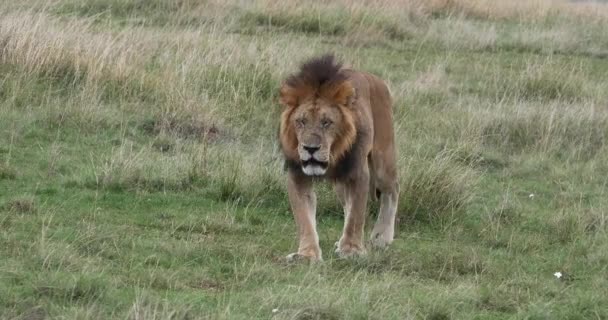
{"points": [[531, 195], [275, 310], [558, 275]]}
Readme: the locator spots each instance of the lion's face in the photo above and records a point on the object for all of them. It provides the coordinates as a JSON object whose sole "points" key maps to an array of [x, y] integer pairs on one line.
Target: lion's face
{"points": [[317, 126]]}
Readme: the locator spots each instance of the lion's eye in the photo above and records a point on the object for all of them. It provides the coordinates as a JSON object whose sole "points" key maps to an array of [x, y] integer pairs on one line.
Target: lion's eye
{"points": [[326, 123], [300, 122]]}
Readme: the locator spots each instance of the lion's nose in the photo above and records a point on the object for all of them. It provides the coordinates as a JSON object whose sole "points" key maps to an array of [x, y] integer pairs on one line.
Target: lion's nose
{"points": [[311, 149]]}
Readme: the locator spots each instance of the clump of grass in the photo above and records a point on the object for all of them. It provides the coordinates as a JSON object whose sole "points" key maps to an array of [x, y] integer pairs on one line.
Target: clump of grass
{"points": [[544, 81], [478, 158], [148, 307], [36, 54], [7, 172], [332, 20], [140, 12], [243, 93], [106, 67], [247, 177], [227, 183], [437, 190], [567, 226], [320, 312], [181, 127], [498, 299], [564, 228], [558, 130], [506, 214], [67, 289], [223, 170], [434, 263], [163, 144], [431, 88], [519, 10], [547, 82], [249, 82], [594, 220], [459, 34], [141, 168], [303, 22], [438, 314], [22, 205], [446, 265], [35, 313], [566, 38]]}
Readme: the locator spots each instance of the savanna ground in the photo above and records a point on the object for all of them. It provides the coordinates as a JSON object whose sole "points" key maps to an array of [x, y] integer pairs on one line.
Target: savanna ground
{"points": [[140, 175]]}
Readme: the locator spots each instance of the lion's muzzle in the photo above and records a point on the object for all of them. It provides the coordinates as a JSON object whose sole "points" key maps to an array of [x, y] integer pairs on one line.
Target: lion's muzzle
{"points": [[314, 167], [313, 163]]}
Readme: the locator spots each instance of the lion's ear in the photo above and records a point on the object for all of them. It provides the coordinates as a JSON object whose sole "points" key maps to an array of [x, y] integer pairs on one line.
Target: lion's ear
{"points": [[344, 94], [288, 96]]}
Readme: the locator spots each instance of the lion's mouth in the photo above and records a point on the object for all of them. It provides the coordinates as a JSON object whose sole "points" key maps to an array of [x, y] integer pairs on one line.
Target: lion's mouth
{"points": [[314, 162], [314, 167]]}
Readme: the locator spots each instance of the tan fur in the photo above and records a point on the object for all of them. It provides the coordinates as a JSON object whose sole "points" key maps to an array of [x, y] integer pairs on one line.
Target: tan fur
{"points": [[346, 116]]}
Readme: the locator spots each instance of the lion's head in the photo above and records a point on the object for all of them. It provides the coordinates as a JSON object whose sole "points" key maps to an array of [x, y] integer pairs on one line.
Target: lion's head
{"points": [[318, 125]]}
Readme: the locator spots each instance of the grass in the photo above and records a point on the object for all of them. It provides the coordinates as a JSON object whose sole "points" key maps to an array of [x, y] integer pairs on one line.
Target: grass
{"points": [[140, 176]]}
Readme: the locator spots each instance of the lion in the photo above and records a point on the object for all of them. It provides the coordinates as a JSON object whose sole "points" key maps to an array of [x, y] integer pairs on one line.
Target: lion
{"points": [[336, 125]]}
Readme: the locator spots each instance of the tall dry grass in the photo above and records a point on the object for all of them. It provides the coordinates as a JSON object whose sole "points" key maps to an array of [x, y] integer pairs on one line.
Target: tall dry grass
{"points": [[41, 44], [534, 10]]}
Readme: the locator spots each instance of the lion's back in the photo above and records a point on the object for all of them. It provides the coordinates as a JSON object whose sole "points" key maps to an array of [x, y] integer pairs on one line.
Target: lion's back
{"points": [[375, 97]]}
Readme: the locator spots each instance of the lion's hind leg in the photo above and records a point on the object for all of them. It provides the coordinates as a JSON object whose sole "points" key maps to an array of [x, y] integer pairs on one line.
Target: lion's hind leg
{"points": [[386, 181], [384, 229], [374, 192]]}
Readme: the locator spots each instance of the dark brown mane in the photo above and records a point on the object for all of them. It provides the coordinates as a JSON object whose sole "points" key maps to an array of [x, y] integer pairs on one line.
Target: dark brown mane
{"points": [[319, 78], [316, 73]]}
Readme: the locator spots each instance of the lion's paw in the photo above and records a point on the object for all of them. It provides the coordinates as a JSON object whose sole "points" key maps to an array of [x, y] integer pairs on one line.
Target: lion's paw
{"points": [[380, 240], [349, 250], [297, 257]]}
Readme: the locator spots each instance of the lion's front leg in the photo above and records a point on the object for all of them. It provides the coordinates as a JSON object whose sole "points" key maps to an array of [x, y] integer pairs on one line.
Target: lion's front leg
{"points": [[304, 206], [355, 194]]}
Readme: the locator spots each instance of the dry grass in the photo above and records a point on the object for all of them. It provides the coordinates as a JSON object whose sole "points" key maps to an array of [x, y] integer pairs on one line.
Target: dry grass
{"points": [[518, 10], [43, 45]]}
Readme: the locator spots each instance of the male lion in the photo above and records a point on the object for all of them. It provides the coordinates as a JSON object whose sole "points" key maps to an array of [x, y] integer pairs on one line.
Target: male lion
{"points": [[337, 124]]}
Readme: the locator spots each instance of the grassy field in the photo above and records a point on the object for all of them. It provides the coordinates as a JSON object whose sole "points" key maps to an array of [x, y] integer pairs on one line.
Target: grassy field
{"points": [[140, 176]]}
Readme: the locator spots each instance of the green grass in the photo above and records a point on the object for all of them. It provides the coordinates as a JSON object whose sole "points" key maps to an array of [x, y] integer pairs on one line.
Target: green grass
{"points": [[140, 176]]}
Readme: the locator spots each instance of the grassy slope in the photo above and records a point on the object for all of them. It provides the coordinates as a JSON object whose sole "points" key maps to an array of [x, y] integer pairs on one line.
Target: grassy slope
{"points": [[140, 178]]}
